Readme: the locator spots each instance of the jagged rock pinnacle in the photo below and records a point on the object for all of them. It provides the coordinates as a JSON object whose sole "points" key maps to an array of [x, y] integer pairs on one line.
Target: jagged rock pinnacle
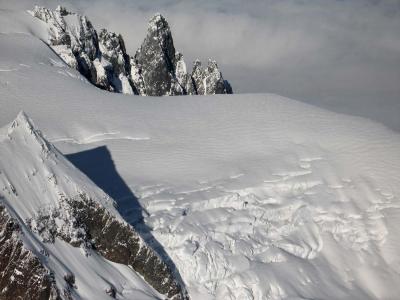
{"points": [[155, 70], [156, 57]]}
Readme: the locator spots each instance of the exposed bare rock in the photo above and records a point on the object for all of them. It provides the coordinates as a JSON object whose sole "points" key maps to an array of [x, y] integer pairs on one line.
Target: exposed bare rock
{"points": [[209, 80], [156, 69], [115, 61], [82, 222], [185, 80], [22, 275], [120, 243], [156, 58]]}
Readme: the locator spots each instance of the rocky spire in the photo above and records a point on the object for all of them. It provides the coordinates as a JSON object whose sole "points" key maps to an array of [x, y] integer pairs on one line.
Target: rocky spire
{"points": [[184, 82], [155, 70], [116, 61], [101, 59], [156, 58], [209, 80], [86, 38], [159, 70]]}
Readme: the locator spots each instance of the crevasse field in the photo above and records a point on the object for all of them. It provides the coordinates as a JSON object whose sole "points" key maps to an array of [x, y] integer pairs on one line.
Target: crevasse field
{"points": [[252, 196]]}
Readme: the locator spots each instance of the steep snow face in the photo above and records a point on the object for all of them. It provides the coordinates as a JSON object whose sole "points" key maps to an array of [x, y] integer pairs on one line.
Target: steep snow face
{"points": [[47, 175], [54, 203], [252, 196]]}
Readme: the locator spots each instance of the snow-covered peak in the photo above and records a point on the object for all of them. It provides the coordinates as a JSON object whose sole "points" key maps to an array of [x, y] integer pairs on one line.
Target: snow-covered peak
{"points": [[55, 202], [34, 169], [23, 131], [22, 120]]}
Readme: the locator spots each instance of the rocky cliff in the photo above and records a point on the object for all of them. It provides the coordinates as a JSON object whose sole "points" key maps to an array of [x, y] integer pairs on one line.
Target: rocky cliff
{"points": [[156, 69], [22, 275]]}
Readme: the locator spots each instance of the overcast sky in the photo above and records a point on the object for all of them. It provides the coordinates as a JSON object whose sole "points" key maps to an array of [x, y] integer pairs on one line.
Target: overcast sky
{"points": [[326, 52]]}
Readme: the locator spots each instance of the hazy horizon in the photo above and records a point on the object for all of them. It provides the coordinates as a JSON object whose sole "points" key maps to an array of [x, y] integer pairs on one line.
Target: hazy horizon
{"points": [[333, 54]]}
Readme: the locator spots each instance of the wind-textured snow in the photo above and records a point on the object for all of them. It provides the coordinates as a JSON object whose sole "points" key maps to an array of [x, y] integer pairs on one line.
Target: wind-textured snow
{"points": [[251, 196]]}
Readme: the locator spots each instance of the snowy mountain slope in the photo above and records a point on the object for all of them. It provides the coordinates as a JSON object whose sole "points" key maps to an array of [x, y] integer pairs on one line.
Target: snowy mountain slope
{"points": [[59, 204], [252, 196]]}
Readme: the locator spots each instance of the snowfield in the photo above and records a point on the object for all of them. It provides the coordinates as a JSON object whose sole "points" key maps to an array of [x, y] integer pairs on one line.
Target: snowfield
{"points": [[252, 196]]}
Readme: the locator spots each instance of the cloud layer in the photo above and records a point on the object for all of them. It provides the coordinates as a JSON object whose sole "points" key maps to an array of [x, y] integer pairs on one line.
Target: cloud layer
{"points": [[324, 51]]}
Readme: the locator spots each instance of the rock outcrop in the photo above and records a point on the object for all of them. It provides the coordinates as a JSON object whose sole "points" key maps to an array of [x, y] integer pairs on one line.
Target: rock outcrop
{"points": [[82, 222], [162, 70], [22, 274], [209, 80], [101, 59], [156, 69]]}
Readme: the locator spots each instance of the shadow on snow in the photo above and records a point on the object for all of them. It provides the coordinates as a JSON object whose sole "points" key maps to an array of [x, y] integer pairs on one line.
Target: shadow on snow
{"points": [[98, 165]]}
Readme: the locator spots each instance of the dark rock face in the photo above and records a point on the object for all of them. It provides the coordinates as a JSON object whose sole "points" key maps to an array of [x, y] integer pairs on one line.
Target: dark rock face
{"points": [[155, 70], [91, 226], [22, 275], [156, 58], [116, 62], [163, 70], [86, 39], [119, 243], [209, 80]]}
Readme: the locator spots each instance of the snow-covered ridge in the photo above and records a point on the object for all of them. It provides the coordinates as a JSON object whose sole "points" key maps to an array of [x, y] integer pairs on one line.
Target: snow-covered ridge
{"points": [[58, 205], [155, 70]]}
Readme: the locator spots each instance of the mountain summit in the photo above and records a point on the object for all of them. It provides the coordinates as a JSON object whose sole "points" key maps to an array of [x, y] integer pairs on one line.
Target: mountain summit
{"points": [[66, 229], [156, 69], [155, 60]]}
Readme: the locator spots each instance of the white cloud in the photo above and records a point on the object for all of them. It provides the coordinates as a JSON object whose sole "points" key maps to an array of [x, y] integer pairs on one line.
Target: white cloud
{"points": [[317, 50]]}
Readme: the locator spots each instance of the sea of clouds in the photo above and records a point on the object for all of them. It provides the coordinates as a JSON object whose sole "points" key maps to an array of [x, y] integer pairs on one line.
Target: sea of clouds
{"points": [[339, 54]]}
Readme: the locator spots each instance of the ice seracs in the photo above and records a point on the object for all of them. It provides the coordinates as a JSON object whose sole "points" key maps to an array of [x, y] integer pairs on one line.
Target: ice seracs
{"points": [[55, 205], [156, 69]]}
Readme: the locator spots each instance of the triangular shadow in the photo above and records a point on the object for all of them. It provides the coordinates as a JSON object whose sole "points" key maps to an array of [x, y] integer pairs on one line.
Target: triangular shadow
{"points": [[98, 165]]}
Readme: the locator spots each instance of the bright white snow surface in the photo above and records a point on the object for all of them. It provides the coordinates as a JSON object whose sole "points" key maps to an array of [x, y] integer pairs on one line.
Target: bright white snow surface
{"points": [[252, 196]]}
